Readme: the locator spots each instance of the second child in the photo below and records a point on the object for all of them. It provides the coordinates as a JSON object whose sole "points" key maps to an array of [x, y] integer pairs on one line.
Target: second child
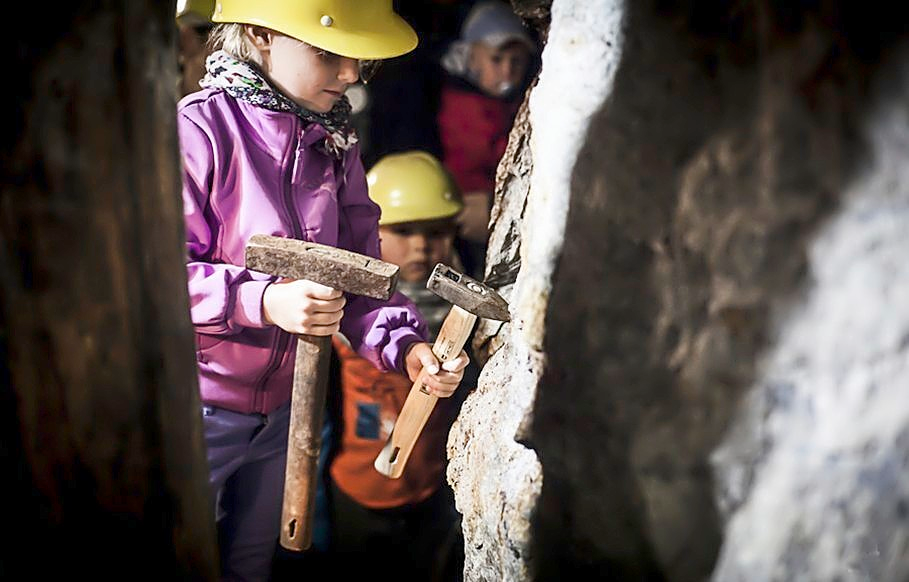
{"points": [[412, 517]]}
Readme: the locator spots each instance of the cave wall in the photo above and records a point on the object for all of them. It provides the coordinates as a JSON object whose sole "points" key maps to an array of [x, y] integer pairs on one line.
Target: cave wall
{"points": [[103, 459], [698, 225]]}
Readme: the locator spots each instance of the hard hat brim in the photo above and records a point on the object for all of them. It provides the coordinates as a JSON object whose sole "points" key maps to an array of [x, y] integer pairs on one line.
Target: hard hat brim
{"points": [[395, 38], [394, 215], [377, 38]]}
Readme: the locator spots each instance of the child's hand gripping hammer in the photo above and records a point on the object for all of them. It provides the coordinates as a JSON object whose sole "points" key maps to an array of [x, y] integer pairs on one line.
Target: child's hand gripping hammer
{"points": [[470, 299], [344, 270]]}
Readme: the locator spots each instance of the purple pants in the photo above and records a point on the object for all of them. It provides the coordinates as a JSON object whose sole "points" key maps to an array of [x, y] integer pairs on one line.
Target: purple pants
{"points": [[246, 458]]}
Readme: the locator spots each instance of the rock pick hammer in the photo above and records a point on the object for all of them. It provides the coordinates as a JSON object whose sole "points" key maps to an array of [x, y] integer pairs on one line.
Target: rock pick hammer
{"points": [[470, 299], [344, 270]]}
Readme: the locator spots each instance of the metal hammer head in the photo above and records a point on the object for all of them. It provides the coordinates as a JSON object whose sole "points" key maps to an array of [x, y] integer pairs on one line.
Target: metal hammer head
{"points": [[344, 270], [467, 293]]}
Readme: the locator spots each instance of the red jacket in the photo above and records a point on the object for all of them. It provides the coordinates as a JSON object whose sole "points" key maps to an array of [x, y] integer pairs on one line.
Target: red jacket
{"points": [[474, 130]]}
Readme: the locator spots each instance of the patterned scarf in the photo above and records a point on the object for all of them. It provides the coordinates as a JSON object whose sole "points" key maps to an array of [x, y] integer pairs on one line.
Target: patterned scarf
{"points": [[244, 81]]}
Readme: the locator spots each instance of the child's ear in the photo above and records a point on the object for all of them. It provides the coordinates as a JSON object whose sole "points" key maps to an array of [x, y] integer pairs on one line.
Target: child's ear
{"points": [[260, 36]]}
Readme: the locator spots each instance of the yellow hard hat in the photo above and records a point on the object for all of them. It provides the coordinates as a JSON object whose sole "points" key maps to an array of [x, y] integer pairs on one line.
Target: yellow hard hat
{"points": [[412, 186], [195, 12], [358, 29]]}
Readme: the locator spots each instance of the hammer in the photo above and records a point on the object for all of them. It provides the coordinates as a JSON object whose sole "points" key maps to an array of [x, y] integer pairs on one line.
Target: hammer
{"points": [[470, 299], [342, 270]]}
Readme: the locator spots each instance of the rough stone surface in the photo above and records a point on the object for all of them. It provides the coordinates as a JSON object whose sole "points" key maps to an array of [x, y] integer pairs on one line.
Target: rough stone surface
{"points": [[529, 216], [104, 464], [696, 202], [814, 477]]}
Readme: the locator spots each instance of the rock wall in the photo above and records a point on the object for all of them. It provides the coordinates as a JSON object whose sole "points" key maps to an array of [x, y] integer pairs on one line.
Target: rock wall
{"points": [[813, 475], [103, 459], [698, 225]]}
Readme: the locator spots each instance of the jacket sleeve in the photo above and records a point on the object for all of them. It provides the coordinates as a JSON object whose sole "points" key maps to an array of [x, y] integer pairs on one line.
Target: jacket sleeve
{"points": [[380, 331], [223, 298]]}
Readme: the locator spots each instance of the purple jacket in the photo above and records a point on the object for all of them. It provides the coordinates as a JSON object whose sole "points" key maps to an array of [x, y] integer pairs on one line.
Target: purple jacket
{"points": [[249, 170]]}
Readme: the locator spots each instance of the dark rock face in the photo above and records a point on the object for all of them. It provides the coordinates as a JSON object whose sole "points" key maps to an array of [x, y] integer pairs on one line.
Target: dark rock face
{"points": [[812, 475], [671, 295], [101, 438]]}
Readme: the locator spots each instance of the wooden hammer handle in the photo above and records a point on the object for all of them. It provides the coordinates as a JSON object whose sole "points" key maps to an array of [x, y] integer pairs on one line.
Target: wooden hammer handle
{"points": [[304, 440], [419, 404]]}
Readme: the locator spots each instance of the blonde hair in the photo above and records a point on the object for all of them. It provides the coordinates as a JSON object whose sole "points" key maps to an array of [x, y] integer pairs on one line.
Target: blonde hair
{"points": [[231, 37]]}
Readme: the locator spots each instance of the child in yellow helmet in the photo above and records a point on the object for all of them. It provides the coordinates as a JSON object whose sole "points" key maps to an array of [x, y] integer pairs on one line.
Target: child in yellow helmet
{"points": [[267, 148], [374, 516]]}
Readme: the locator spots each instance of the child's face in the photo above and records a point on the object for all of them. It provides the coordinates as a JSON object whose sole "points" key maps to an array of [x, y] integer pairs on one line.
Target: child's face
{"points": [[499, 70], [416, 247], [313, 78]]}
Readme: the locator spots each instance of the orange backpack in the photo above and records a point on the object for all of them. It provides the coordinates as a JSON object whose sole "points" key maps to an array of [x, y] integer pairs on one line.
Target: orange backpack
{"points": [[370, 402]]}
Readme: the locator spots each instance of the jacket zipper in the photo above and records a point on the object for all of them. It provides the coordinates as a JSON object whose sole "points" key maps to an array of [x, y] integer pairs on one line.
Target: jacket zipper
{"points": [[278, 352], [295, 226], [277, 356]]}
